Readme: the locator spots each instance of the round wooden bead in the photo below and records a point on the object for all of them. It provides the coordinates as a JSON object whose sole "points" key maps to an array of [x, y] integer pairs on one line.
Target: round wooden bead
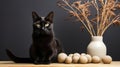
{"points": [[107, 59], [83, 59], [75, 59], [71, 55], [62, 57], [76, 54], [96, 59], [68, 60], [89, 58]]}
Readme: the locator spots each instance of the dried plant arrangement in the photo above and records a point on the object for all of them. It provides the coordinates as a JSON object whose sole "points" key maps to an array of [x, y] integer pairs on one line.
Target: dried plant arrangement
{"points": [[107, 12]]}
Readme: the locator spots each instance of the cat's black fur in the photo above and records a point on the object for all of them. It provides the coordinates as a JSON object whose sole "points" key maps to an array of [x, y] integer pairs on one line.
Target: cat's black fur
{"points": [[45, 47]]}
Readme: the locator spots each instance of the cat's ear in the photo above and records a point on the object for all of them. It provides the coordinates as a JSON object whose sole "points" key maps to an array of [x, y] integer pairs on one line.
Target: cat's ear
{"points": [[49, 17], [35, 16]]}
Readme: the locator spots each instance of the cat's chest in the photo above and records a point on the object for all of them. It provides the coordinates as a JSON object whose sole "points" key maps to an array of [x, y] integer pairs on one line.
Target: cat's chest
{"points": [[42, 39], [42, 45]]}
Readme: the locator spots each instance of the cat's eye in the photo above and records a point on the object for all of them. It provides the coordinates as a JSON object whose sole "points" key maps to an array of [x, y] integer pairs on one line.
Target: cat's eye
{"points": [[46, 25], [38, 26]]}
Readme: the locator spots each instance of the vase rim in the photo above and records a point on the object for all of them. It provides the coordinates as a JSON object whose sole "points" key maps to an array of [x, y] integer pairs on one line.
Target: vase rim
{"points": [[97, 38]]}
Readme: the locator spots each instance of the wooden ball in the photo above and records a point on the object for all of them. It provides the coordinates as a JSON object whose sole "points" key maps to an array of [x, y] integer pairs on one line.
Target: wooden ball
{"points": [[96, 59], [107, 59], [76, 54], [71, 55], [83, 54], [89, 58], [75, 59], [62, 57], [83, 59], [68, 60]]}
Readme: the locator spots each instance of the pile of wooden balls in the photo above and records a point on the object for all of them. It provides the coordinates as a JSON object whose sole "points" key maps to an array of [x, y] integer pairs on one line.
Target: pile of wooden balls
{"points": [[82, 58]]}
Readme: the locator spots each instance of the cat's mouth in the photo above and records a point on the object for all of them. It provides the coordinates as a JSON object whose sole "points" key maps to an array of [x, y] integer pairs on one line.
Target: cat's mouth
{"points": [[45, 32]]}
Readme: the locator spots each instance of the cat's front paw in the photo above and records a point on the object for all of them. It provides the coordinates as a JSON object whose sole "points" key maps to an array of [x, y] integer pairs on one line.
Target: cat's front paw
{"points": [[36, 62], [42, 62], [46, 62]]}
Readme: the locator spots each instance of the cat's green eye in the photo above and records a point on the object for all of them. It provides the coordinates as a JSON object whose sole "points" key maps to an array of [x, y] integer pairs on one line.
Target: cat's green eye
{"points": [[38, 26], [46, 25]]}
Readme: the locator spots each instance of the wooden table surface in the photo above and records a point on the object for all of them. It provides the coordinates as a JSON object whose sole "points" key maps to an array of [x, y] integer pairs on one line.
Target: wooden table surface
{"points": [[12, 64]]}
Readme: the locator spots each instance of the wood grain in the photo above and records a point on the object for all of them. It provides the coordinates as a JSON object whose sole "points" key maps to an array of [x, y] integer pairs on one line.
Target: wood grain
{"points": [[12, 64]]}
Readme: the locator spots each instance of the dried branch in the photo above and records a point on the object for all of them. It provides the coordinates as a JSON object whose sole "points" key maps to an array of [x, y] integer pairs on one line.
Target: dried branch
{"points": [[105, 14]]}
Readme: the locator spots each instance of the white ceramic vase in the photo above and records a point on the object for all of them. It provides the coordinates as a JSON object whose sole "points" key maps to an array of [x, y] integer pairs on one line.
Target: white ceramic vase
{"points": [[97, 47]]}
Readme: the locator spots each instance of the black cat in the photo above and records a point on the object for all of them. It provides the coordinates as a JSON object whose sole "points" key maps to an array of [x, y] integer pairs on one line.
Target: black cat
{"points": [[45, 47]]}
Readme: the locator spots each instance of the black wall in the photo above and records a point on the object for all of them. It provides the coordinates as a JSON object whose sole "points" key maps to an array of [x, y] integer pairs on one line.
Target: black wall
{"points": [[16, 29]]}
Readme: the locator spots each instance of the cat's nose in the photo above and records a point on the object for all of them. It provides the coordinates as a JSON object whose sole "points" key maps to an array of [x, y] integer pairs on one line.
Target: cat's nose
{"points": [[43, 28]]}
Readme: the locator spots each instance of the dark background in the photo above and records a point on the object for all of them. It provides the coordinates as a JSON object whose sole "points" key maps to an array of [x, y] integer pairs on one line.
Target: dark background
{"points": [[16, 29]]}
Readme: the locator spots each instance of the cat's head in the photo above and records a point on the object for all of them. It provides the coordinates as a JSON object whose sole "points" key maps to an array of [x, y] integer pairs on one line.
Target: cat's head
{"points": [[42, 25]]}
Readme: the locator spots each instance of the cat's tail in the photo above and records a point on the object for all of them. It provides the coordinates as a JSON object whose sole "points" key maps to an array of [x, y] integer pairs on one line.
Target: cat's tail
{"points": [[18, 59]]}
